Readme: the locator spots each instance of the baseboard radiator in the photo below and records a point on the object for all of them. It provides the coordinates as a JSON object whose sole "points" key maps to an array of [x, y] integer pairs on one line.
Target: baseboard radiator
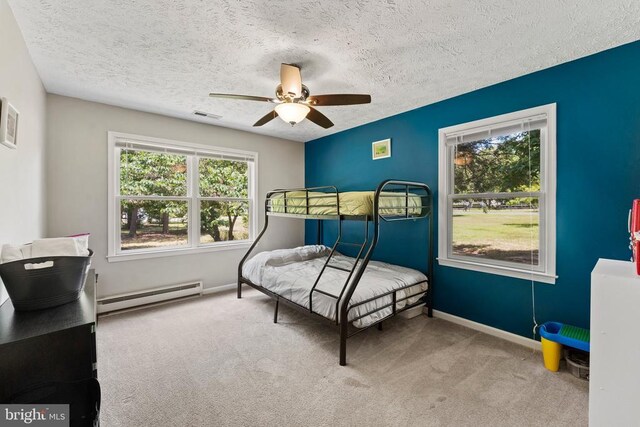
{"points": [[151, 296]]}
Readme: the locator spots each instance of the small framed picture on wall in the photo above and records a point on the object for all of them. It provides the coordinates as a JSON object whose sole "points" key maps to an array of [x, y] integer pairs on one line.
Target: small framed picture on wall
{"points": [[8, 124], [381, 149]]}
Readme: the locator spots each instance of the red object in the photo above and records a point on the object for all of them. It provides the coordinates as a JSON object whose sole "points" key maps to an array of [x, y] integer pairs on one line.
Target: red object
{"points": [[634, 231]]}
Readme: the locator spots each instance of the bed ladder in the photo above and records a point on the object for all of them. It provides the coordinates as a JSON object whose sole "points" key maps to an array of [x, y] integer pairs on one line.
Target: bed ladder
{"points": [[328, 264]]}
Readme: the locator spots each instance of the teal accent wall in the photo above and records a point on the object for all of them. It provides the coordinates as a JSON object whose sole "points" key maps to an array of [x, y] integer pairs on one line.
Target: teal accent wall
{"points": [[598, 175]]}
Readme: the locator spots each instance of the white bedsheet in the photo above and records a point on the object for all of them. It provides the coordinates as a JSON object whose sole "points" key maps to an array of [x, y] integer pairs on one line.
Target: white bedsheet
{"points": [[291, 273]]}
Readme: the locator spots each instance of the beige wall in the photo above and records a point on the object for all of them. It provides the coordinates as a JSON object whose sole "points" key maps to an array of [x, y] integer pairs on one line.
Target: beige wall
{"points": [[22, 169], [77, 189]]}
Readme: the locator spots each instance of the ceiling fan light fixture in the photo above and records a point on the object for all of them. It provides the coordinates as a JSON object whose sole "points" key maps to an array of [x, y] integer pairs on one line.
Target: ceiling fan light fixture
{"points": [[294, 103], [292, 112]]}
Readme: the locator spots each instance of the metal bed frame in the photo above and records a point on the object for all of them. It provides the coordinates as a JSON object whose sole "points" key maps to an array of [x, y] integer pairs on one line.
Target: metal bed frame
{"points": [[409, 189]]}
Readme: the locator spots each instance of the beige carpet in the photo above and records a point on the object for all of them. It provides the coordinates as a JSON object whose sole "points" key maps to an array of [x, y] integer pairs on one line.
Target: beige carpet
{"points": [[219, 361]]}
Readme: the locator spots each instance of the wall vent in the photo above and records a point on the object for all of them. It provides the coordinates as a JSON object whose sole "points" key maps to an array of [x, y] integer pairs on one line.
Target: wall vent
{"points": [[151, 296]]}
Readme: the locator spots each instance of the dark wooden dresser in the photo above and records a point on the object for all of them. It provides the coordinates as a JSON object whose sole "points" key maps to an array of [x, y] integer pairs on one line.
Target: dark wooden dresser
{"points": [[51, 345]]}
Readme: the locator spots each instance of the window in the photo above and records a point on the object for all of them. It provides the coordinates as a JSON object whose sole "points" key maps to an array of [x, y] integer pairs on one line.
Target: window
{"points": [[168, 197], [497, 195]]}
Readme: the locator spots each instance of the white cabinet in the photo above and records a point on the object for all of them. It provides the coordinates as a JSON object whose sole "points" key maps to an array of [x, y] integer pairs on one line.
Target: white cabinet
{"points": [[614, 375]]}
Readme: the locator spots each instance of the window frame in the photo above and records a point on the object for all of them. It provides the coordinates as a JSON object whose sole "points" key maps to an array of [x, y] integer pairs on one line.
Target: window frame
{"points": [[193, 198], [546, 271]]}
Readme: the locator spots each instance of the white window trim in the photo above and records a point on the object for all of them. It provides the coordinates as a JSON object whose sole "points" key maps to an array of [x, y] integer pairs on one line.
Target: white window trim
{"points": [[547, 274], [114, 255]]}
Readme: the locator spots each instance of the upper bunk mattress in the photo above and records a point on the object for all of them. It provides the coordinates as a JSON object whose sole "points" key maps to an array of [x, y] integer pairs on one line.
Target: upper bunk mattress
{"points": [[351, 203], [291, 274]]}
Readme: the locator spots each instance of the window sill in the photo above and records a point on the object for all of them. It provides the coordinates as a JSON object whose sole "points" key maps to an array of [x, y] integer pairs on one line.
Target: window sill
{"points": [[501, 271], [133, 255]]}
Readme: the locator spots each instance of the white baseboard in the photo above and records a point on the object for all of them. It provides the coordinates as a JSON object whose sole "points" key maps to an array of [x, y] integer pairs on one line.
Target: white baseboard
{"points": [[217, 289], [508, 336]]}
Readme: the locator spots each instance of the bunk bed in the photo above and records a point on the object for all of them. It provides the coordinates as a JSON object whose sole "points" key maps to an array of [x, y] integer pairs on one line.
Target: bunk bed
{"points": [[353, 293]]}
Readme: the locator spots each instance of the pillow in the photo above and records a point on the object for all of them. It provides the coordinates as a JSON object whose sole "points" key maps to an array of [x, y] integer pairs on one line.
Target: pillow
{"points": [[254, 268], [303, 253], [313, 251]]}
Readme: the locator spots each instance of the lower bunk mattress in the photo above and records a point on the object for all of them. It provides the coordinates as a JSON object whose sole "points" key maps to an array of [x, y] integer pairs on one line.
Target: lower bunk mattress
{"points": [[291, 274]]}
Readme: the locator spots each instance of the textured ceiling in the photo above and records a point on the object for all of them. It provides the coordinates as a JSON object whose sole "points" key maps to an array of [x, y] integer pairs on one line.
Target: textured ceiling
{"points": [[165, 56]]}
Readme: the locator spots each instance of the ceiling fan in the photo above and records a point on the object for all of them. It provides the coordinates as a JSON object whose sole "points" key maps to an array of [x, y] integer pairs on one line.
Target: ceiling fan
{"points": [[295, 102]]}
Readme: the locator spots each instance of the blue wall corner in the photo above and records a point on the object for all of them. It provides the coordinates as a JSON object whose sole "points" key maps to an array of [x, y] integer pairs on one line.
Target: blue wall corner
{"points": [[598, 152]]}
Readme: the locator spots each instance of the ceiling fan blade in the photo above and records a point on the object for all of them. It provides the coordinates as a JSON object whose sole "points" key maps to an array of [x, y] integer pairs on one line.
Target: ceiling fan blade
{"points": [[267, 118], [242, 97], [344, 99], [291, 80], [318, 118]]}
